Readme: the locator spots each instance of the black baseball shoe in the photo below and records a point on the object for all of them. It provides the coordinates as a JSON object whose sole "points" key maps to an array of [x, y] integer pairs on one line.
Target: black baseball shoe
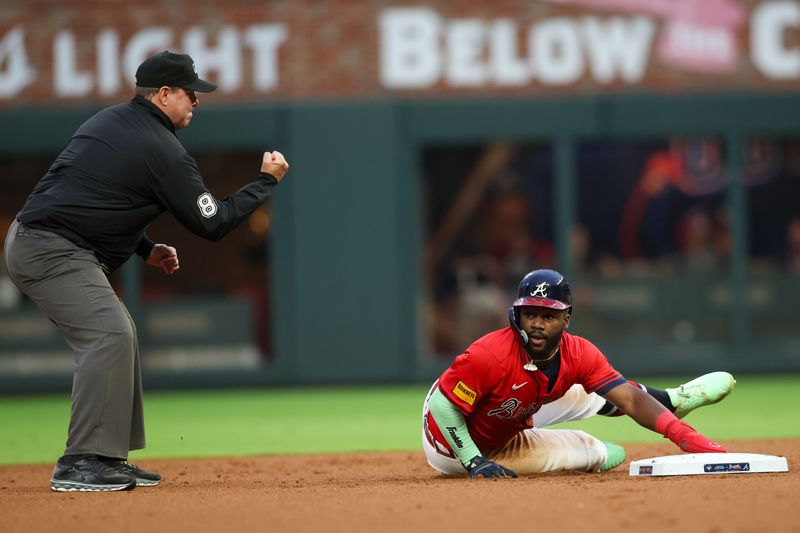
{"points": [[143, 477], [86, 473]]}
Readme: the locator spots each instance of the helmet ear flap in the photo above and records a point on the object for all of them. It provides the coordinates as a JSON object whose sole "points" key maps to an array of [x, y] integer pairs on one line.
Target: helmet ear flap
{"points": [[513, 319]]}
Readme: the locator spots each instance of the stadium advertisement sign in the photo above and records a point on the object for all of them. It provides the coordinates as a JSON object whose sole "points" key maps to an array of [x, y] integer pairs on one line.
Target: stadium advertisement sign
{"points": [[361, 49]]}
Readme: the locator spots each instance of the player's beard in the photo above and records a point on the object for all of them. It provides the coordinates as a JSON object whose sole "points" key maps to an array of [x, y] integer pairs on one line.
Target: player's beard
{"points": [[550, 344]]}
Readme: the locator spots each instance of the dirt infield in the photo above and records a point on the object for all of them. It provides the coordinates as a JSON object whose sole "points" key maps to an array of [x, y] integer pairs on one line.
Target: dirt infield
{"points": [[379, 492]]}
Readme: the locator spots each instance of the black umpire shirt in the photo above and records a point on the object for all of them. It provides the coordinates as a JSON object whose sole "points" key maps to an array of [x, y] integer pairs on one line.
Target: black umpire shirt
{"points": [[121, 169]]}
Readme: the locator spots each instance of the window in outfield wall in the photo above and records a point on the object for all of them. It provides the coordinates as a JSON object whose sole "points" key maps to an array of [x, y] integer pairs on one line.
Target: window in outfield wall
{"points": [[652, 243], [652, 209], [488, 220], [654, 238], [651, 247], [213, 314], [774, 240]]}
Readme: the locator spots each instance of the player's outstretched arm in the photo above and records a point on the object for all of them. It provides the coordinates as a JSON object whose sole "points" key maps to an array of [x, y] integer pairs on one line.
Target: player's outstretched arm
{"points": [[650, 414], [684, 436]]}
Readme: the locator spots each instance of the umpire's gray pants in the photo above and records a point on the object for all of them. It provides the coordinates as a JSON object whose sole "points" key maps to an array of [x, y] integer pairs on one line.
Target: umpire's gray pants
{"points": [[69, 285]]}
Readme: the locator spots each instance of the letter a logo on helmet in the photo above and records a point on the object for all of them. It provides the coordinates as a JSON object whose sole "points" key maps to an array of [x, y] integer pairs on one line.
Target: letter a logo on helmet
{"points": [[544, 288], [541, 290]]}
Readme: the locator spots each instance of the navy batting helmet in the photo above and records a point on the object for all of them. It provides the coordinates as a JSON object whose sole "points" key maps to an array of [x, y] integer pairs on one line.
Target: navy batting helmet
{"points": [[540, 288], [544, 288]]}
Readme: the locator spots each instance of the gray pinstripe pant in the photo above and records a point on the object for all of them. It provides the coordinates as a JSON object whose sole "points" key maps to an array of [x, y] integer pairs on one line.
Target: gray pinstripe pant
{"points": [[69, 285]]}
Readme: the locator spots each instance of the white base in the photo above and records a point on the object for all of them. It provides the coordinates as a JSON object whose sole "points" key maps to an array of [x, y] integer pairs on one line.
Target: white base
{"points": [[708, 463]]}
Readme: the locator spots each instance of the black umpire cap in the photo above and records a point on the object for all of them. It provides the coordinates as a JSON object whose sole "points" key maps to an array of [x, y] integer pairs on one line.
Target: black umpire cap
{"points": [[172, 70]]}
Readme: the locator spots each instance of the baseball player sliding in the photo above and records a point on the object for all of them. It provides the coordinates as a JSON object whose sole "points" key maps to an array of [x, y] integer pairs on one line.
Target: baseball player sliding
{"points": [[484, 415]]}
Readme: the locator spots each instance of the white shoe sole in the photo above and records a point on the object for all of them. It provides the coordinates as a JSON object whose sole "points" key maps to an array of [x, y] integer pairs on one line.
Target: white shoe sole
{"points": [[76, 486]]}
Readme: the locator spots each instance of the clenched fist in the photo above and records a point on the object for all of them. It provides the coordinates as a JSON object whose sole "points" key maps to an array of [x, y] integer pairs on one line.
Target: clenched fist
{"points": [[164, 256], [274, 164]]}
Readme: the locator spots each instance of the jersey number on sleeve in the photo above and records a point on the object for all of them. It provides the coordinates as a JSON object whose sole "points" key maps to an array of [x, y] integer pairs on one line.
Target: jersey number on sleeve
{"points": [[207, 205]]}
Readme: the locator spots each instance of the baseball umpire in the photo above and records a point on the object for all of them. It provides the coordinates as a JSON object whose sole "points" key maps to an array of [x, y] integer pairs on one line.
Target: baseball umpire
{"points": [[88, 214], [483, 416]]}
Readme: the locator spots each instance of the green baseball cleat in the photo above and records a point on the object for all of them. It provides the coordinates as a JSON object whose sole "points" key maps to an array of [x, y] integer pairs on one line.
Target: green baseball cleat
{"points": [[705, 390], [615, 456]]}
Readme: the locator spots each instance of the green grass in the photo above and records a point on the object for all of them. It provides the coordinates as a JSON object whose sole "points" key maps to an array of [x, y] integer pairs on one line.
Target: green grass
{"points": [[341, 419]]}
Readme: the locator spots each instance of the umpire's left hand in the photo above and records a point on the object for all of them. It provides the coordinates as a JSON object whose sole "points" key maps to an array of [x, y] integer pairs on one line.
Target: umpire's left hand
{"points": [[165, 257]]}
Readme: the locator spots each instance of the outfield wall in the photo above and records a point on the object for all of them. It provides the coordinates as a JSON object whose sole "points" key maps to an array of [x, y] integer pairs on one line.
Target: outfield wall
{"points": [[438, 151], [347, 240]]}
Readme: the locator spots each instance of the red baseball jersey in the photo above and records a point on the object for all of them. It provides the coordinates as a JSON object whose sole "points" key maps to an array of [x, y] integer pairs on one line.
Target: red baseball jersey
{"points": [[498, 397]]}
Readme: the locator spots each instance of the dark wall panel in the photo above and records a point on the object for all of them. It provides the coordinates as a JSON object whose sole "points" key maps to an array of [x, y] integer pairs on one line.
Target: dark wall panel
{"points": [[343, 257]]}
